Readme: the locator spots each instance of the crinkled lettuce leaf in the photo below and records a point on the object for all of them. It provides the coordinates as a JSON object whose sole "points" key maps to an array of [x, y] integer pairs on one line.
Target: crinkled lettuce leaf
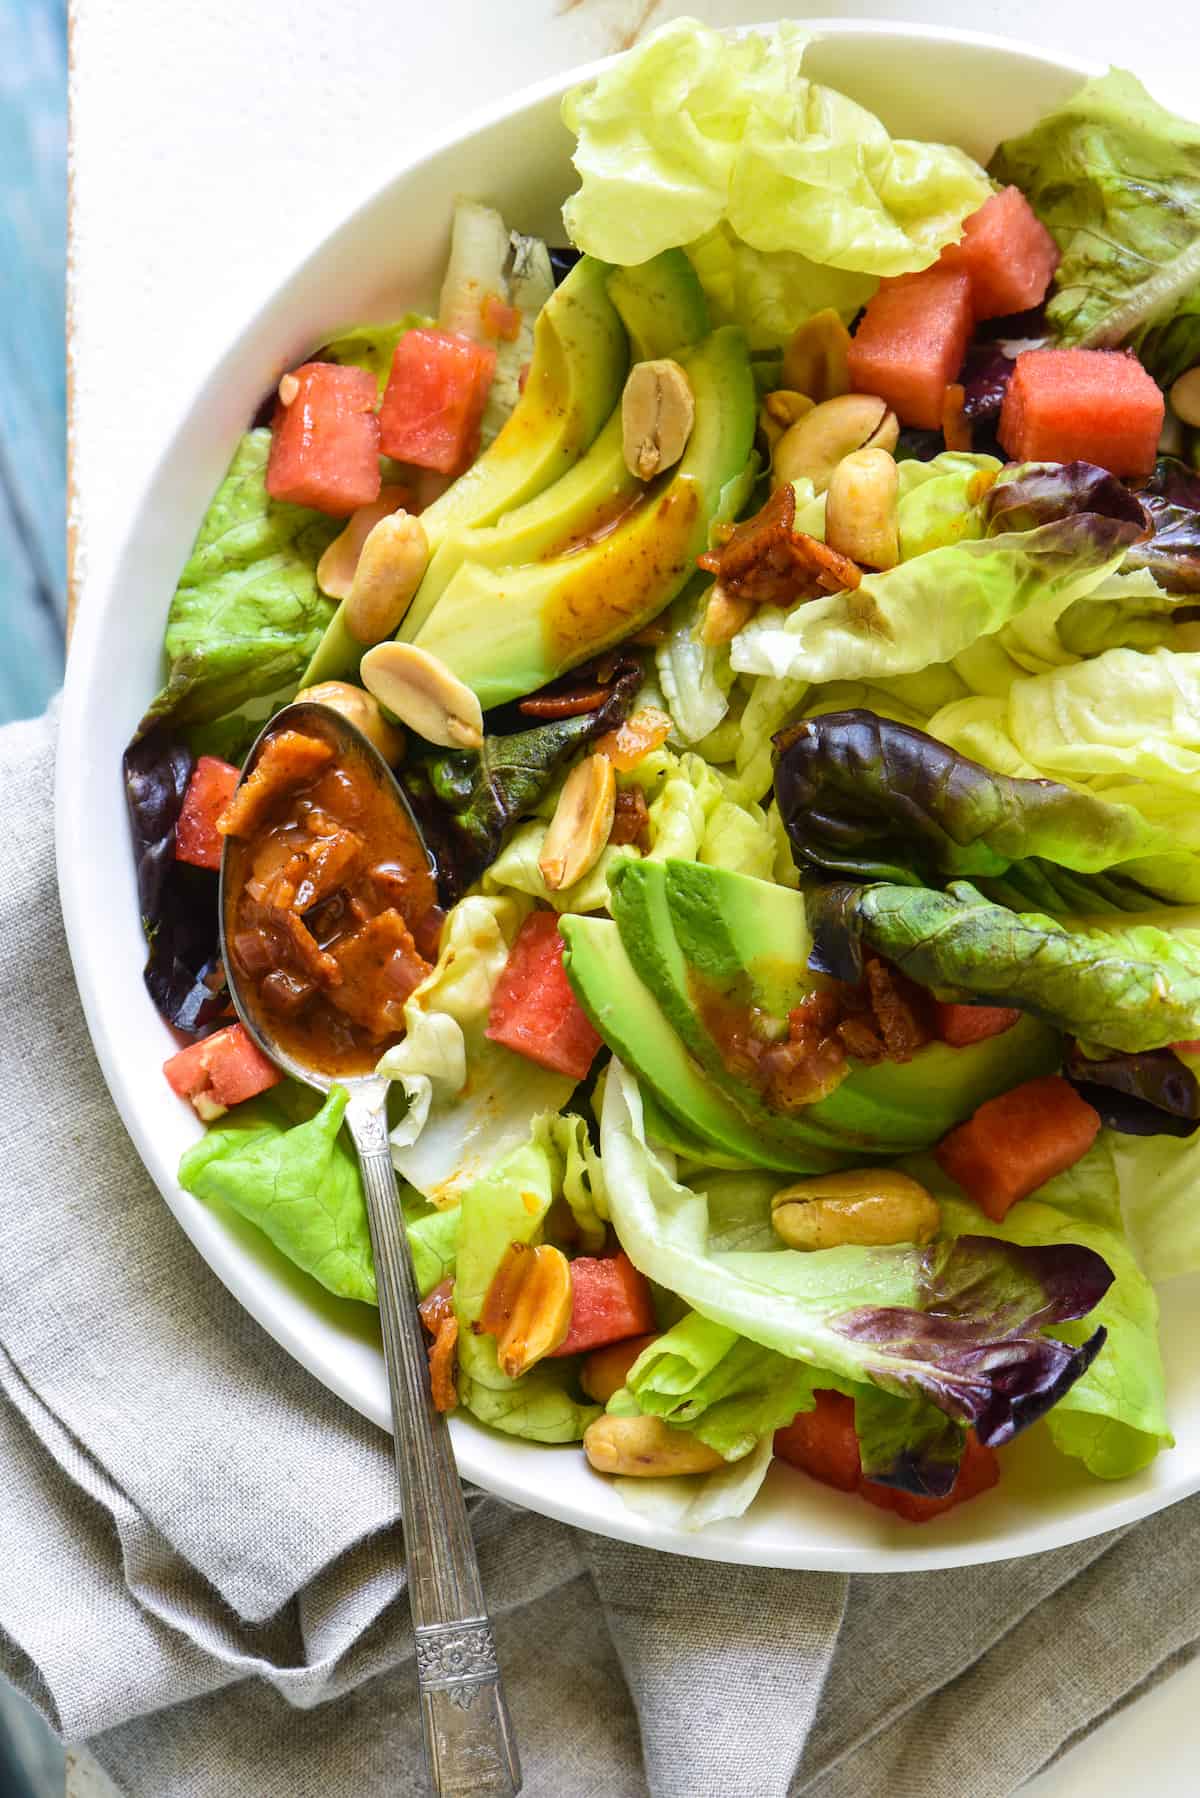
{"points": [[695, 677], [469, 1099], [1123, 983], [862, 795], [247, 613], [1114, 1417], [467, 800], [283, 1162], [1115, 178], [509, 1204], [1171, 498], [1044, 536], [959, 1325], [1158, 1179], [770, 180]]}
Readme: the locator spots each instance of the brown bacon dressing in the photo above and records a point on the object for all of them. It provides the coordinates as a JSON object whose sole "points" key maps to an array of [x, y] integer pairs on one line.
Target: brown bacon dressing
{"points": [[330, 909]]}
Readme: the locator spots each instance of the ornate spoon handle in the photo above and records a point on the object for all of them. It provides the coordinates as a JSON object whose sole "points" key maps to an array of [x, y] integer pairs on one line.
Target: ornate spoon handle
{"points": [[468, 1736]]}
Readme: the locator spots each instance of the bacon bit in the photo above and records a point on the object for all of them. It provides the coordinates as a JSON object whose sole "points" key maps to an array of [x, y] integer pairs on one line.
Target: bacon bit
{"points": [[631, 820], [956, 426], [812, 1062], [315, 960], [767, 561], [437, 1314], [902, 1009], [287, 760], [563, 705], [626, 746], [500, 320]]}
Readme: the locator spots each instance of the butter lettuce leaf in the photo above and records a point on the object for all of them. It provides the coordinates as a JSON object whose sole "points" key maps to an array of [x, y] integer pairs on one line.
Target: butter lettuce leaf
{"points": [[1127, 984], [247, 613], [1044, 537], [1115, 178], [958, 1325], [770, 180]]}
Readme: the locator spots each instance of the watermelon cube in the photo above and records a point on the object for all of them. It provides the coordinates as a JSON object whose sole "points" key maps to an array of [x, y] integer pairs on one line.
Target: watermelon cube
{"points": [[911, 342], [197, 839], [434, 400], [1096, 406], [978, 1472], [221, 1071], [823, 1442], [1015, 1143], [325, 442], [534, 1011], [1008, 254], [610, 1300], [963, 1025]]}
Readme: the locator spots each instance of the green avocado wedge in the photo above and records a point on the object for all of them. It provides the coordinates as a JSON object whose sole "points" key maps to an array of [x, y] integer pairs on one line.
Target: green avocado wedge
{"points": [[663, 308], [580, 359], [633, 1026], [506, 632], [692, 930]]}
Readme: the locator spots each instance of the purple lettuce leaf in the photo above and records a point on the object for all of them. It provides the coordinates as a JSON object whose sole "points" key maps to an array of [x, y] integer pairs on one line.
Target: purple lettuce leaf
{"points": [[973, 1345], [1151, 1094], [1030, 494], [985, 376], [1171, 499], [178, 903]]}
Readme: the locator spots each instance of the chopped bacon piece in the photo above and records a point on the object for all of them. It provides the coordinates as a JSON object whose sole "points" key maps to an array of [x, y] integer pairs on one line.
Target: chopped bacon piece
{"points": [[308, 952], [379, 967], [631, 819], [549, 706], [767, 561], [902, 1009], [289, 758], [437, 1314], [324, 865], [812, 1062]]}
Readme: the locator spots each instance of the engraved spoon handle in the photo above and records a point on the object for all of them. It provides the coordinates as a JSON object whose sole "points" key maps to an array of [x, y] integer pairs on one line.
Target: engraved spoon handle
{"points": [[469, 1740]]}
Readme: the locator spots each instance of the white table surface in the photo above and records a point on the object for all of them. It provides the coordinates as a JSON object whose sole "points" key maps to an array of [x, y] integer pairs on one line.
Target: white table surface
{"points": [[215, 141]]}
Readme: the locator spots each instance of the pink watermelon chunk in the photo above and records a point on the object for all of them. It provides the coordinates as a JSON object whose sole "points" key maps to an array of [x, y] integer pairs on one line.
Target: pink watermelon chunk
{"points": [[911, 342], [1095, 406], [1008, 254]]}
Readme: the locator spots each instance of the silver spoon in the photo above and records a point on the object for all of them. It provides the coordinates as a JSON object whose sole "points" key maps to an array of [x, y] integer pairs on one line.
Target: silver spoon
{"points": [[469, 1742]]}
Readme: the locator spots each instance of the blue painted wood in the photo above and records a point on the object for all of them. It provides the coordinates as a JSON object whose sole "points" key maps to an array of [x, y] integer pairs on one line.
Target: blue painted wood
{"points": [[32, 352]]}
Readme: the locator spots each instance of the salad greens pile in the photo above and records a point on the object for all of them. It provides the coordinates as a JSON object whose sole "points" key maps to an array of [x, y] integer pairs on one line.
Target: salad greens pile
{"points": [[964, 786]]}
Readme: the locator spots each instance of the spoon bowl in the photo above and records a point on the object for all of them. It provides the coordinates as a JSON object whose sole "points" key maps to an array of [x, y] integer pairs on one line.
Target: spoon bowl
{"points": [[469, 1743]]}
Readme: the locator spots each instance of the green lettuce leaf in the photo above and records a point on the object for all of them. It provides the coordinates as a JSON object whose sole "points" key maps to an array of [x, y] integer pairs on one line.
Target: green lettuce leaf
{"points": [[469, 1099], [1044, 536], [283, 1162], [770, 180], [689, 1501], [1114, 1417], [1131, 985], [247, 613], [956, 1325], [1158, 1179], [1116, 180], [509, 1205]]}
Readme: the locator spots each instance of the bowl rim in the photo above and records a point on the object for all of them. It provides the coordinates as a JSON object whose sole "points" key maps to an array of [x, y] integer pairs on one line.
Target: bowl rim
{"points": [[70, 802]]}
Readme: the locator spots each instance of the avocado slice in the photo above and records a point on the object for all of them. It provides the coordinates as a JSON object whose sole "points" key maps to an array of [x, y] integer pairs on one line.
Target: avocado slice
{"points": [[632, 1024], [688, 926], [580, 359], [508, 631], [662, 305]]}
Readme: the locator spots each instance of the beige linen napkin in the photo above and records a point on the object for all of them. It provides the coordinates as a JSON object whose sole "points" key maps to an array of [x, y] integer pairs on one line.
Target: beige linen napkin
{"points": [[202, 1568]]}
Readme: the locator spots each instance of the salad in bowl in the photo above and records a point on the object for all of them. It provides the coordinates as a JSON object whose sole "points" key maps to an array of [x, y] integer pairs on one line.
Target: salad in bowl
{"points": [[778, 605]]}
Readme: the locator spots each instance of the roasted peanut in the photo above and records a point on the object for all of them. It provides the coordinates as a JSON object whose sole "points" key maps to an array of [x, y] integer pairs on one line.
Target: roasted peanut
{"points": [[646, 1447], [1185, 397], [814, 446], [363, 711], [861, 508], [657, 415], [867, 1206], [527, 1307], [335, 570], [582, 821], [778, 412], [816, 360], [289, 387], [390, 566], [603, 1371], [724, 616], [424, 694]]}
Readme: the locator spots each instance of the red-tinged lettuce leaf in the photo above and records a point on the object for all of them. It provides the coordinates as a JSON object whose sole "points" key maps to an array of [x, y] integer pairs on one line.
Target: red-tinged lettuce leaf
{"points": [[1171, 499], [178, 903], [1125, 985], [1031, 494], [907, 1444], [467, 800], [863, 795], [973, 1345], [1153, 1094], [985, 376]]}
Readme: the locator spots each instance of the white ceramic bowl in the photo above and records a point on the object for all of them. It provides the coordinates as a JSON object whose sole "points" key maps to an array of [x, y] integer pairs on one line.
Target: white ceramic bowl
{"points": [[968, 89]]}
